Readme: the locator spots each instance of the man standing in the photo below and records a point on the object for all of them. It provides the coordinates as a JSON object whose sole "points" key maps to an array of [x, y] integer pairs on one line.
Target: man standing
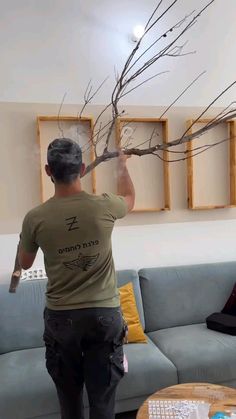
{"points": [[84, 328]]}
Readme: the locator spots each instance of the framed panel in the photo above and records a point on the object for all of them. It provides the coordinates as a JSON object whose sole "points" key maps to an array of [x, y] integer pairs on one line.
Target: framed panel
{"points": [[150, 175], [79, 130], [211, 175]]}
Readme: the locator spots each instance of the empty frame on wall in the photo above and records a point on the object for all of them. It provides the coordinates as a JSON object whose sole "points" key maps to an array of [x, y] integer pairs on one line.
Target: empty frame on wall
{"points": [[150, 175], [80, 130], [211, 174]]}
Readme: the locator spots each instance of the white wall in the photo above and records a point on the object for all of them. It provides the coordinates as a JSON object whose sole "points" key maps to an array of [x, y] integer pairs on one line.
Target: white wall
{"points": [[51, 46], [154, 245]]}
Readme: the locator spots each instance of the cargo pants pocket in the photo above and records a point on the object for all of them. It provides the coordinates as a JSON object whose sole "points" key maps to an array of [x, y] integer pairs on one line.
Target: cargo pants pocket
{"points": [[53, 358], [117, 364]]}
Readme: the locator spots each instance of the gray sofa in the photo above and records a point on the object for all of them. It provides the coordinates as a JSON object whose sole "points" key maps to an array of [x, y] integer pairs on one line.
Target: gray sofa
{"points": [[173, 303]]}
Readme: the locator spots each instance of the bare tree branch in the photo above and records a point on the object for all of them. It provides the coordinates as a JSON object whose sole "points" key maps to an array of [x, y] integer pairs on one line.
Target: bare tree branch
{"points": [[148, 28], [153, 14], [159, 147], [181, 94], [223, 113], [190, 153], [144, 82], [58, 116], [176, 26], [133, 69], [165, 50], [89, 95], [200, 147], [207, 108], [100, 115], [149, 140], [122, 83]]}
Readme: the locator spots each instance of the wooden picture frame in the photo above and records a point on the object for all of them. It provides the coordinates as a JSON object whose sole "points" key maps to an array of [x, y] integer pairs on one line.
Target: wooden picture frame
{"points": [[40, 120], [231, 125], [166, 177]]}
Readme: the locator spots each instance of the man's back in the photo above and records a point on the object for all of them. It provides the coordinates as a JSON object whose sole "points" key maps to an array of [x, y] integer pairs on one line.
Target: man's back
{"points": [[74, 234], [84, 327]]}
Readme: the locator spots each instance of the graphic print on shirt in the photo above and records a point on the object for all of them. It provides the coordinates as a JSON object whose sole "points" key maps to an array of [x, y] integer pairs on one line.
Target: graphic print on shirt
{"points": [[83, 262], [72, 223], [77, 246]]}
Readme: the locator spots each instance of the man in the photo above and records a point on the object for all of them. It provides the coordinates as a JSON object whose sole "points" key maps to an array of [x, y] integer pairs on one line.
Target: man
{"points": [[84, 328]]}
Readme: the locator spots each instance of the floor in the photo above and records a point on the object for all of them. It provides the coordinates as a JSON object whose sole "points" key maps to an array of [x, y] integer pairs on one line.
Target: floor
{"points": [[129, 415]]}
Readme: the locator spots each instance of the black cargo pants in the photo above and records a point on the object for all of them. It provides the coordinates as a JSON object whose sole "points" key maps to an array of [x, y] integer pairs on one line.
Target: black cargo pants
{"points": [[85, 346]]}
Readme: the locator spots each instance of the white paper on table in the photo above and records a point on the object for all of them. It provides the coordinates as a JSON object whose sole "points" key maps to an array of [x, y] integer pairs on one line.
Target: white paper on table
{"points": [[178, 409], [201, 411]]}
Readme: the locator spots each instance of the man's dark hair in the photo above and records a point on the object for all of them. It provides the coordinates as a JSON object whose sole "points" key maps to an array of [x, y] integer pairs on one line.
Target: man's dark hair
{"points": [[64, 158]]}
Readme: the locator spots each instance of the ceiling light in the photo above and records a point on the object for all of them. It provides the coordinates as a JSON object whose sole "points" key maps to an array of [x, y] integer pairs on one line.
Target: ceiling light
{"points": [[138, 32]]}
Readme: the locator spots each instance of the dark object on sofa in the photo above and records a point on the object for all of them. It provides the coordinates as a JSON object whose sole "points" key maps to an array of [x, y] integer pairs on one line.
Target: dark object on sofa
{"points": [[224, 323], [230, 306]]}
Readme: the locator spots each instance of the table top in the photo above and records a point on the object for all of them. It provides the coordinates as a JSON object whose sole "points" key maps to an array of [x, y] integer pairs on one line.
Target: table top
{"points": [[221, 398]]}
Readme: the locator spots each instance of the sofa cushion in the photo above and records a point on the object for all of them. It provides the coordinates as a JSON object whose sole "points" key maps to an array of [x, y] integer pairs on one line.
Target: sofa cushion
{"points": [[198, 353], [25, 380], [149, 370], [182, 295], [21, 320], [26, 388]]}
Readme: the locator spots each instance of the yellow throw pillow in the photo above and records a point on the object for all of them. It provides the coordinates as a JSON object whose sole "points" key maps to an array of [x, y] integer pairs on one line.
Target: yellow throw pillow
{"points": [[130, 313]]}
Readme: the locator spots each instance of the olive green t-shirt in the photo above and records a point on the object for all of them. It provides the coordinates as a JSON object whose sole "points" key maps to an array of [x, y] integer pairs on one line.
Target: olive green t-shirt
{"points": [[74, 234]]}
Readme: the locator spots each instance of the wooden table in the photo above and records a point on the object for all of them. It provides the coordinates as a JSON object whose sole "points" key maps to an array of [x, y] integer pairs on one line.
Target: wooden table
{"points": [[221, 398]]}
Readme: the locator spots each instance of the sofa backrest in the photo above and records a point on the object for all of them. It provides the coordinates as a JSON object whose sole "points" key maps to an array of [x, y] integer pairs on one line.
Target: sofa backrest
{"points": [[183, 295], [21, 319]]}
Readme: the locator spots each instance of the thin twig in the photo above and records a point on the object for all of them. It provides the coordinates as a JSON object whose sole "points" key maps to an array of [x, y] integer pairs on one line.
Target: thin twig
{"points": [[223, 113], [100, 115], [182, 93], [153, 14], [144, 82], [201, 148], [207, 108], [59, 114], [89, 96], [160, 17], [149, 140]]}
